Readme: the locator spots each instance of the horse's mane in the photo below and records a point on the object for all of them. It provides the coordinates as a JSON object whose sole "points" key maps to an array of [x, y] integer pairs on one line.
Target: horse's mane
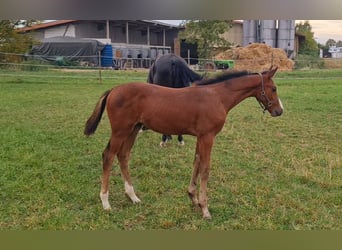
{"points": [[222, 77]]}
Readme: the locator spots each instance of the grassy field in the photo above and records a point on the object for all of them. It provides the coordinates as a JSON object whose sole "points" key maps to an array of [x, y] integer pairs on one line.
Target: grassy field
{"points": [[267, 173]]}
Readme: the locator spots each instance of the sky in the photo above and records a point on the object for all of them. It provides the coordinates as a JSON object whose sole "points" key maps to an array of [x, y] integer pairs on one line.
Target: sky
{"points": [[323, 29], [326, 29]]}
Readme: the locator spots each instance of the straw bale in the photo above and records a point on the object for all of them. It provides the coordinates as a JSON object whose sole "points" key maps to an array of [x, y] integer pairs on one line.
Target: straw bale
{"points": [[257, 57]]}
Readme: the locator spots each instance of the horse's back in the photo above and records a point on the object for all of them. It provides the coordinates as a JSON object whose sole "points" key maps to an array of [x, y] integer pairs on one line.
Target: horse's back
{"points": [[138, 90], [172, 71], [140, 97]]}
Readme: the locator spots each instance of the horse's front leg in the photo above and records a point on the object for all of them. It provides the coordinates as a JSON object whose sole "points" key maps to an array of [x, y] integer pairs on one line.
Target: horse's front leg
{"points": [[205, 146], [193, 182]]}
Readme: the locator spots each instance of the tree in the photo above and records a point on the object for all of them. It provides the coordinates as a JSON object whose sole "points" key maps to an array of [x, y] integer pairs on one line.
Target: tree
{"points": [[309, 45], [330, 42], [11, 41], [206, 34]]}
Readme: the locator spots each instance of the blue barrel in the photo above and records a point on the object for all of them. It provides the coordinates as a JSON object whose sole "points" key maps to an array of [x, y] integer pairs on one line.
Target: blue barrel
{"points": [[107, 56]]}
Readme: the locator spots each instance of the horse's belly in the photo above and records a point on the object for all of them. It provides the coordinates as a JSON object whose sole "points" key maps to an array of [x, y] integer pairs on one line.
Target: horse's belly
{"points": [[172, 122]]}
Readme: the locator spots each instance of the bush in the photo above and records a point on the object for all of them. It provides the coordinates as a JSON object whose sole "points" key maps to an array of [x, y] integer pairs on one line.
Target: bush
{"points": [[309, 62], [34, 65]]}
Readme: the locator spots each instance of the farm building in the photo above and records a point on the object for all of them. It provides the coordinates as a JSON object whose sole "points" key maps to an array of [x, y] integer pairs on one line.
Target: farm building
{"points": [[136, 43], [275, 33], [235, 33], [128, 42], [336, 52]]}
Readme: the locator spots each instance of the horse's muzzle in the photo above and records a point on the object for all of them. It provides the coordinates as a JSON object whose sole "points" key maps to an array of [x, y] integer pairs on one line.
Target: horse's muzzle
{"points": [[277, 112]]}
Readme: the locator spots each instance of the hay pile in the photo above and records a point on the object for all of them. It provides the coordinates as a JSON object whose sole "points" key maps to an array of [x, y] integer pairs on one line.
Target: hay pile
{"points": [[257, 57]]}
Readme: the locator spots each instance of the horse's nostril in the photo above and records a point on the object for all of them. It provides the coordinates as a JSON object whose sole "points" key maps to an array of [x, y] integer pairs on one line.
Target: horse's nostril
{"points": [[277, 113]]}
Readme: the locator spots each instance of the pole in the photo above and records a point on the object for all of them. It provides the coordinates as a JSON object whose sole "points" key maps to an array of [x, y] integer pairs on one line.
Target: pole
{"points": [[188, 56], [107, 29], [100, 72]]}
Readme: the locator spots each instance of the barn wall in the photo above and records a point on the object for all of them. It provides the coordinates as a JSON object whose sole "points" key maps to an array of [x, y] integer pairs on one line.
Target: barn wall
{"points": [[117, 34], [38, 34], [137, 36], [234, 34], [140, 44], [170, 37], [63, 30], [91, 30], [156, 38]]}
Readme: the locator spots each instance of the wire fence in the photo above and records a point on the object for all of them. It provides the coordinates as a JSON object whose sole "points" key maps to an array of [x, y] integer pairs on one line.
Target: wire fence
{"points": [[27, 62]]}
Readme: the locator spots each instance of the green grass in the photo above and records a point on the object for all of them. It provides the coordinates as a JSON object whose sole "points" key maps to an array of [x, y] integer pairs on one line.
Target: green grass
{"points": [[267, 173]]}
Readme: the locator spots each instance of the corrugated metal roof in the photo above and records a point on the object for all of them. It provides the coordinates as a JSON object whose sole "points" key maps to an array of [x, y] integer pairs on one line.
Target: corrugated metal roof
{"points": [[45, 25], [61, 22]]}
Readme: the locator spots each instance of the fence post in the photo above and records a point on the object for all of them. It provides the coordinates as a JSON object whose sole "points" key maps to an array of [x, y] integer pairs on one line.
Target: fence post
{"points": [[100, 72]]}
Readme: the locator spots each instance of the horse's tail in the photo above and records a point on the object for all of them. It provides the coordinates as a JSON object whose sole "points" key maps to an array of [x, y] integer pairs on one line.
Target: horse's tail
{"points": [[95, 117]]}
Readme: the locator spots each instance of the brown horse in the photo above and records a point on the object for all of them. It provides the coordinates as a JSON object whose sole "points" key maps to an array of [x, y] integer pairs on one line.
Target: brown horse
{"points": [[199, 110], [172, 71]]}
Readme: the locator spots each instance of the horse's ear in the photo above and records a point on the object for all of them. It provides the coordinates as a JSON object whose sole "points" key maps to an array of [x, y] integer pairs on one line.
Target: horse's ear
{"points": [[272, 71]]}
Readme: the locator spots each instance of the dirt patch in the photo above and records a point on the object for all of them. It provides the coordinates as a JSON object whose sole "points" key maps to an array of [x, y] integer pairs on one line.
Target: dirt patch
{"points": [[257, 57], [75, 70], [333, 63], [97, 69]]}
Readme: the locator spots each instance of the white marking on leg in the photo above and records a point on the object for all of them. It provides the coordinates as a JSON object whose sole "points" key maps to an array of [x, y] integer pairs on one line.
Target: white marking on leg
{"points": [[105, 202], [163, 143], [281, 104], [181, 143], [206, 213], [130, 192]]}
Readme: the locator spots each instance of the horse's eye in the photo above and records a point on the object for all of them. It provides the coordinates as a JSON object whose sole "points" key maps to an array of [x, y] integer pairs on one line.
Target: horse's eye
{"points": [[274, 89]]}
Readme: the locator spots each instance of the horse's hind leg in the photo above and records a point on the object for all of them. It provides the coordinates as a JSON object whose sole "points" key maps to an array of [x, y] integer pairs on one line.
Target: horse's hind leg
{"points": [[165, 139], [123, 157], [180, 140], [107, 161]]}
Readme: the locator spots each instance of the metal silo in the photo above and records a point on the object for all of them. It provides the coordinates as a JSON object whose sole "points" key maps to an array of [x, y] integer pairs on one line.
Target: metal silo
{"points": [[286, 36], [268, 32], [249, 31]]}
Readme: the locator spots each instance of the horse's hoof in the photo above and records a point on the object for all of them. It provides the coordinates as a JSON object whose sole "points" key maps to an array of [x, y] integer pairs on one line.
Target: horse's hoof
{"points": [[181, 143], [207, 216], [135, 199], [105, 203], [107, 208]]}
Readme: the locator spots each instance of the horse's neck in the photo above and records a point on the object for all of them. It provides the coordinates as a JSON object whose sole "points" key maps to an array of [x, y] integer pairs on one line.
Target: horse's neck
{"points": [[236, 92]]}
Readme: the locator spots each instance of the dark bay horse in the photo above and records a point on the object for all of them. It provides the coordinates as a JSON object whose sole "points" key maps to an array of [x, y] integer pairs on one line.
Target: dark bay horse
{"points": [[171, 71], [199, 110]]}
